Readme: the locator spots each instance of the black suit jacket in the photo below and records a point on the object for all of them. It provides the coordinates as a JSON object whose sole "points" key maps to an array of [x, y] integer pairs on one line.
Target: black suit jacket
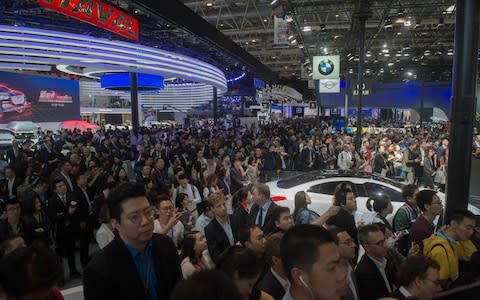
{"points": [[112, 273], [83, 207], [270, 285], [217, 239], [269, 223], [236, 180], [66, 226], [370, 281], [4, 187], [397, 295]]}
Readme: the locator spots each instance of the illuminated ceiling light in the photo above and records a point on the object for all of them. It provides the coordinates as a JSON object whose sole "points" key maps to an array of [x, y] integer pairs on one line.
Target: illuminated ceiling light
{"points": [[399, 33], [427, 52], [307, 28], [336, 16], [350, 71], [382, 70], [385, 45], [290, 37], [209, 3], [254, 40], [265, 20], [408, 22], [294, 41], [406, 54], [288, 18], [385, 50], [300, 46], [438, 52], [399, 53], [325, 50], [336, 37], [386, 54], [450, 52], [449, 10], [368, 71], [390, 64], [409, 73], [369, 54]]}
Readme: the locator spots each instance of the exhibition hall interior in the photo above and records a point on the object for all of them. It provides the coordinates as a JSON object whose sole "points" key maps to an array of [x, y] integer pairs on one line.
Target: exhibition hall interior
{"points": [[239, 149]]}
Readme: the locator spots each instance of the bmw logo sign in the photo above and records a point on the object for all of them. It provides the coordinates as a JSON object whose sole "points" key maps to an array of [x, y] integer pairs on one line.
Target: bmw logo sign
{"points": [[326, 67]]}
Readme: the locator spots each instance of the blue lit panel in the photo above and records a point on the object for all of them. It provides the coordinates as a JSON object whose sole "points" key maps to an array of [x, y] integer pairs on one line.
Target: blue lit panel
{"points": [[121, 81]]}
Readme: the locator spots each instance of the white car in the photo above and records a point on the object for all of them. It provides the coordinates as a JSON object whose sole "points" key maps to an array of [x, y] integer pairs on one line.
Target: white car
{"points": [[321, 184]]}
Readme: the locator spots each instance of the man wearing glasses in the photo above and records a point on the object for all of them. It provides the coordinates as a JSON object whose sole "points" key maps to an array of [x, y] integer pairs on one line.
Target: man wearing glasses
{"points": [[375, 277], [419, 278], [137, 264]]}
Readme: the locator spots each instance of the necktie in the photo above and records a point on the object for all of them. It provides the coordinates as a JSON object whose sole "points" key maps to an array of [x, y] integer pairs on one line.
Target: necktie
{"points": [[260, 215]]}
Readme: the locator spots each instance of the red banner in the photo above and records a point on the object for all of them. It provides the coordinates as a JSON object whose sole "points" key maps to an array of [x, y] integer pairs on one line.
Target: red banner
{"points": [[97, 13]]}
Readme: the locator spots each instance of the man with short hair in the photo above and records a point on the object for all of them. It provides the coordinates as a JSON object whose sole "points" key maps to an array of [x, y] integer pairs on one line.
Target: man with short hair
{"points": [[252, 237], [283, 218], [452, 246], [431, 207], [221, 232], [311, 260], [375, 277], [418, 277], [274, 282], [13, 224], [261, 212], [137, 264], [168, 221], [65, 169], [347, 249], [10, 184], [189, 189], [64, 214], [406, 216]]}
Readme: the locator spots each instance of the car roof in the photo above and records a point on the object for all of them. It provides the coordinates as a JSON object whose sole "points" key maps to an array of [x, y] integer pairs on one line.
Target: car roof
{"points": [[325, 174]]}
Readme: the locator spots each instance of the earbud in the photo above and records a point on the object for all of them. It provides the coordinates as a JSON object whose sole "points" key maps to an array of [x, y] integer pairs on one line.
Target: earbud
{"points": [[303, 282]]}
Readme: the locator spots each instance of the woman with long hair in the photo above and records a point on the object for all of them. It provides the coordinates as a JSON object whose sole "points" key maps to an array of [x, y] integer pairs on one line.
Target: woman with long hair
{"points": [[121, 176], [382, 206], [301, 213], [192, 256]]}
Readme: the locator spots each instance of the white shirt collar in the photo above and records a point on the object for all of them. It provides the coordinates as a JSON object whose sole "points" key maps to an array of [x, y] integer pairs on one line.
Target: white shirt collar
{"points": [[404, 291], [379, 263], [285, 283]]}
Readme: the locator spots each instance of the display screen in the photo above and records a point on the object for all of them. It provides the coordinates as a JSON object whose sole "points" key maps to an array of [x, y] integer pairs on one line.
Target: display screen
{"points": [[38, 98]]}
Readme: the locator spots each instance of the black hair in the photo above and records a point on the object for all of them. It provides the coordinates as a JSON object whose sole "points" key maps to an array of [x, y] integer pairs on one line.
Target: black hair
{"points": [[459, 215], [380, 202], [340, 196], [210, 284], [425, 197], [334, 231], [27, 270], [244, 232], [364, 232], [299, 247], [409, 190], [241, 261], [178, 200], [182, 176], [121, 194], [187, 247], [278, 211], [55, 182], [415, 267], [12, 201], [239, 196]]}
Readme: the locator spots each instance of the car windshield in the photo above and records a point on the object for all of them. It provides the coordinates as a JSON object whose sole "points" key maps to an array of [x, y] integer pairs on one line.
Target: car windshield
{"points": [[25, 135]]}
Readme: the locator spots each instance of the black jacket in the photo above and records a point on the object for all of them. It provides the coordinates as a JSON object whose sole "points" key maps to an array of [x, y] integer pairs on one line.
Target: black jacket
{"points": [[112, 273], [270, 285], [370, 281], [269, 223], [217, 239]]}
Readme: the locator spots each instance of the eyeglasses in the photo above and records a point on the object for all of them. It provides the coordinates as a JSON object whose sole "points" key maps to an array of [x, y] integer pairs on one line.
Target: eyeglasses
{"points": [[379, 243], [136, 217], [349, 242]]}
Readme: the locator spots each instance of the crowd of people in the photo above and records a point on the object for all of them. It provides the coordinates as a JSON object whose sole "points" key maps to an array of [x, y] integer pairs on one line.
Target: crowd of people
{"points": [[177, 211]]}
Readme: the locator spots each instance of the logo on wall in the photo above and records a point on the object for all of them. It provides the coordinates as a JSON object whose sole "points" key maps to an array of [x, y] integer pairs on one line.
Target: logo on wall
{"points": [[329, 85], [326, 67]]}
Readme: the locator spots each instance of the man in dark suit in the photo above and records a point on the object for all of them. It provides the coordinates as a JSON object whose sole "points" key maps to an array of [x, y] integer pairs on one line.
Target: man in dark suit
{"points": [[137, 264], [419, 277], [374, 275], [64, 175], [274, 282], [307, 157], [221, 232], [261, 212], [283, 160], [10, 184], [63, 212], [87, 218], [14, 155]]}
